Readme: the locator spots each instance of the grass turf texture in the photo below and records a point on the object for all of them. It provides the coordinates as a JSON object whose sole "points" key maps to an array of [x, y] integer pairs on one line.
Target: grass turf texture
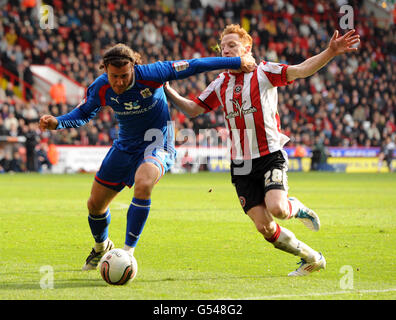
{"points": [[197, 243]]}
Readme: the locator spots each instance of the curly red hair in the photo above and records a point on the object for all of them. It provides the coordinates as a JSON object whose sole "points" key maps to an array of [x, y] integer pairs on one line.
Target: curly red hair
{"points": [[236, 28]]}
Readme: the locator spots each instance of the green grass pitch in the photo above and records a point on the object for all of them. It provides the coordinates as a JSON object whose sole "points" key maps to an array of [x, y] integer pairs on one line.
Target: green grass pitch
{"points": [[197, 243]]}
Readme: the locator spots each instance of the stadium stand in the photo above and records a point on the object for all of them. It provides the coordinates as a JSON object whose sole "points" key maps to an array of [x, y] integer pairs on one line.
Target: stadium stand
{"points": [[349, 103]]}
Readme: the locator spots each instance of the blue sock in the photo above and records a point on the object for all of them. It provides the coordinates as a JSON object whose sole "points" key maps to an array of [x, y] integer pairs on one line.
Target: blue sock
{"points": [[100, 226], [136, 218]]}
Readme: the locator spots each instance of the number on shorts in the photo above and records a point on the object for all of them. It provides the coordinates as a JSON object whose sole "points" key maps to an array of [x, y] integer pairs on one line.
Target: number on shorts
{"points": [[273, 177]]}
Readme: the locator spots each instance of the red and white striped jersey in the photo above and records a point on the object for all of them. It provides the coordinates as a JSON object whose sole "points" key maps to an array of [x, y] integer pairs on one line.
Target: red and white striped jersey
{"points": [[249, 102]]}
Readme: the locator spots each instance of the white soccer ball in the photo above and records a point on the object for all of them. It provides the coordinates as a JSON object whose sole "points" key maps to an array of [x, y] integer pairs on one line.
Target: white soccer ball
{"points": [[118, 267]]}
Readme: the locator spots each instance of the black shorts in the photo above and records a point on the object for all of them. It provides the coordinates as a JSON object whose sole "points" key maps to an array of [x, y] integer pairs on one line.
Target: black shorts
{"points": [[252, 179]]}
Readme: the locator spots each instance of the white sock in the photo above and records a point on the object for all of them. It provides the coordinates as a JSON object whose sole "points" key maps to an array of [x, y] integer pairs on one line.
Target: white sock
{"points": [[294, 206], [288, 242], [129, 249], [100, 246]]}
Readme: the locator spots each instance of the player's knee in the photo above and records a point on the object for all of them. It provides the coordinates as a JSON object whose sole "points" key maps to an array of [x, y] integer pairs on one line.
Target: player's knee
{"points": [[143, 188], [94, 208], [91, 206], [278, 210]]}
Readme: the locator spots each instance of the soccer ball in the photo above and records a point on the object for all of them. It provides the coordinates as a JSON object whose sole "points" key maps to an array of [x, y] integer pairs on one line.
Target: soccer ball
{"points": [[118, 267]]}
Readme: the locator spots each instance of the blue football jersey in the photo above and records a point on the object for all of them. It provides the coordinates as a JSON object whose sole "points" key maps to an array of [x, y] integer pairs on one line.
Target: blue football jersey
{"points": [[142, 110]]}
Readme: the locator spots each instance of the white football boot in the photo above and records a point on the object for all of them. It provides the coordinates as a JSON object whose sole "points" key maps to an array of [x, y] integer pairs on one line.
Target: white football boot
{"points": [[307, 216], [307, 268]]}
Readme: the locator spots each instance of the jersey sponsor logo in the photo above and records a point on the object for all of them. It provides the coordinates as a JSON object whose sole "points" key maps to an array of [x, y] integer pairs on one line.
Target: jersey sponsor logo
{"points": [[133, 105], [130, 111], [239, 110], [180, 65], [146, 93]]}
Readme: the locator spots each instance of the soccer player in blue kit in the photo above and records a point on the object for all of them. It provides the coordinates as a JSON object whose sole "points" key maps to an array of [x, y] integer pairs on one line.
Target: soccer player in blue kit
{"points": [[145, 149]]}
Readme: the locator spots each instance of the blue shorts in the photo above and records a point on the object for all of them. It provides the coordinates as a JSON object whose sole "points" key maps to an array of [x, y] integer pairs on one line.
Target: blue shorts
{"points": [[118, 168]]}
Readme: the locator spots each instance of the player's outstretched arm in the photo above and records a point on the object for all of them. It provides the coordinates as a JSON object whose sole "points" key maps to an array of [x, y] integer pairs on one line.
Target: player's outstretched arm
{"points": [[189, 107], [338, 45], [163, 71]]}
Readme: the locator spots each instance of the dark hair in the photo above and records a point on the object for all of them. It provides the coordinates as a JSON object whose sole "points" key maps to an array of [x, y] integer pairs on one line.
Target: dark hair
{"points": [[119, 55]]}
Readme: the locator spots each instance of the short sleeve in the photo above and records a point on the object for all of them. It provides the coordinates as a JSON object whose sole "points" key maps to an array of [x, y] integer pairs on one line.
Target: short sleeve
{"points": [[209, 99], [275, 72]]}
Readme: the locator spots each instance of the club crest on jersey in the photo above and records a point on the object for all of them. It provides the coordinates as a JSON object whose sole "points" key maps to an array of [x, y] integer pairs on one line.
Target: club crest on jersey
{"points": [[180, 65], [146, 93], [242, 200], [238, 89]]}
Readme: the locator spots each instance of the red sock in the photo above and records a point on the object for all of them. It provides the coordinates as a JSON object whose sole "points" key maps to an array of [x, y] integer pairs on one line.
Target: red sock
{"points": [[275, 236]]}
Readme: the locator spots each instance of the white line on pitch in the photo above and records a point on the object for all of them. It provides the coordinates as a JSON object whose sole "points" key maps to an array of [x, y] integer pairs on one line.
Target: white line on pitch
{"points": [[314, 294], [119, 206]]}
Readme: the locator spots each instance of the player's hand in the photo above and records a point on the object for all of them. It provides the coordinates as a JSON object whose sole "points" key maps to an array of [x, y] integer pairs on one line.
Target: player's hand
{"points": [[48, 122], [343, 44], [248, 63], [166, 86]]}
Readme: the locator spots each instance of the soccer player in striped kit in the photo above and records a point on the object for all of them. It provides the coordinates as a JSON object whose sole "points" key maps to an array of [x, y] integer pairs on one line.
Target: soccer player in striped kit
{"points": [[258, 161], [145, 149]]}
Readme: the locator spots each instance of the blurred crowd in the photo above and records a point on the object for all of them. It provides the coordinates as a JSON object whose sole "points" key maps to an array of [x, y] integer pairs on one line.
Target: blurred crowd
{"points": [[349, 103]]}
